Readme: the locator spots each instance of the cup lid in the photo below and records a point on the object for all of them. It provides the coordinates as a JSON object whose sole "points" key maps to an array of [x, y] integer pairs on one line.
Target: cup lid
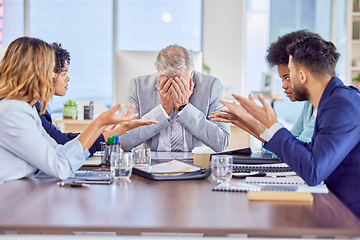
{"points": [[203, 150]]}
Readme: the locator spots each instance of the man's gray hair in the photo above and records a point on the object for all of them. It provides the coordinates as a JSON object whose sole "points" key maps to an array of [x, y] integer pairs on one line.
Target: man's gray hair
{"points": [[174, 60]]}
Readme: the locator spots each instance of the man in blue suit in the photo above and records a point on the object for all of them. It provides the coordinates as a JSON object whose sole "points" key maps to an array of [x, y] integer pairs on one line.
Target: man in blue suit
{"points": [[333, 156]]}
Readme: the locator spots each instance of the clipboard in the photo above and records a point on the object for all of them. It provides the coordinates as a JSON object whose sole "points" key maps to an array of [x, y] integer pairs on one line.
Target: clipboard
{"points": [[246, 156]]}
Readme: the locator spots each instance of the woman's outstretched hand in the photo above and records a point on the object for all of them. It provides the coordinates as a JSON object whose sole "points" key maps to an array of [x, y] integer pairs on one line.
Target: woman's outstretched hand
{"points": [[110, 117]]}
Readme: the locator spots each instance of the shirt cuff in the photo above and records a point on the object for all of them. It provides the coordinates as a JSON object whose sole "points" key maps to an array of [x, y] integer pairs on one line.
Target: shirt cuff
{"points": [[270, 132], [165, 114]]}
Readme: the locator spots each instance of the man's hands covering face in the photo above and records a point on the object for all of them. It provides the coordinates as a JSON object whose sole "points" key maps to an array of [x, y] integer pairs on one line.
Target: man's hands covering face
{"points": [[174, 92], [181, 91], [165, 93]]}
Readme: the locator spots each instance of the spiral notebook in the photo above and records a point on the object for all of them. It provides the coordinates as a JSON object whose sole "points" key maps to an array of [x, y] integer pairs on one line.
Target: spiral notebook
{"points": [[245, 187], [266, 193], [277, 180], [241, 186], [266, 168]]}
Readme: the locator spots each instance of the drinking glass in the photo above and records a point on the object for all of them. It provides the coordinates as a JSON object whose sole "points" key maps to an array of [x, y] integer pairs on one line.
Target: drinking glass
{"points": [[142, 157], [121, 165], [221, 168]]}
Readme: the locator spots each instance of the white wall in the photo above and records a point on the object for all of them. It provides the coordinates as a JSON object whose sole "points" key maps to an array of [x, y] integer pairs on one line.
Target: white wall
{"points": [[224, 42], [131, 64]]}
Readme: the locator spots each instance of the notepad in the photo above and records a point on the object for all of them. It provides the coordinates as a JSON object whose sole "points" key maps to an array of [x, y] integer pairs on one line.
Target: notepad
{"points": [[280, 196]]}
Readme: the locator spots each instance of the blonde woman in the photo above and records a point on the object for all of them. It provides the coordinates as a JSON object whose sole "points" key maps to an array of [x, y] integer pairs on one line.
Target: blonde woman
{"points": [[26, 74], [60, 85]]}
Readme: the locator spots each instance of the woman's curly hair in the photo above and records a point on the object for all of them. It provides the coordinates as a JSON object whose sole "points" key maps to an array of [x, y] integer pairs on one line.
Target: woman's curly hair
{"points": [[61, 55], [277, 53]]}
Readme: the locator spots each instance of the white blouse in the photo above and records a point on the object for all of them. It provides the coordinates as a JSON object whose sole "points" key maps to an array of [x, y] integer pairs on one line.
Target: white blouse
{"points": [[25, 146]]}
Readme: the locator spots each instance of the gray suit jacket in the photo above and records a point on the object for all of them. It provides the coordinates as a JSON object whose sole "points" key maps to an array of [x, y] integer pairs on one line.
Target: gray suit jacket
{"points": [[199, 130]]}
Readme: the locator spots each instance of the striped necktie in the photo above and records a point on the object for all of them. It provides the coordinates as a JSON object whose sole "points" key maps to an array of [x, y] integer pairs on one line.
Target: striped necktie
{"points": [[177, 139]]}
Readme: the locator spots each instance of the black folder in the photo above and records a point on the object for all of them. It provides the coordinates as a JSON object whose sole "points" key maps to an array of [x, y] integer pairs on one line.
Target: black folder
{"points": [[203, 173], [246, 156], [170, 171]]}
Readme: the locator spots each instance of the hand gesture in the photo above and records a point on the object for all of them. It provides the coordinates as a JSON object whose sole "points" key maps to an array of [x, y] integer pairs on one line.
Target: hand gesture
{"points": [[225, 115], [110, 117], [181, 91], [88, 137], [138, 123], [266, 114], [164, 84]]}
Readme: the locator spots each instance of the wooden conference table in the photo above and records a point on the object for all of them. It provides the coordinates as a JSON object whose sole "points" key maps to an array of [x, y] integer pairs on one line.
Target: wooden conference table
{"points": [[39, 205]]}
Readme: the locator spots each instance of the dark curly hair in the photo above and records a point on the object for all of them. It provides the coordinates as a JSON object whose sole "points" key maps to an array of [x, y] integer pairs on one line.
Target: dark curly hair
{"points": [[316, 54], [61, 55], [277, 54]]}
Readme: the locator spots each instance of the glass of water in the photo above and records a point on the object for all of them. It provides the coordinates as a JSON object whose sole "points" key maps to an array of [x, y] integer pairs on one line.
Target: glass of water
{"points": [[221, 168], [142, 157], [121, 165]]}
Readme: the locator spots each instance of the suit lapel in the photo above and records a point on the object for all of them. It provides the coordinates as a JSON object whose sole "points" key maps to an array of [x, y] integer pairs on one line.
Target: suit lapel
{"points": [[155, 102], [188, 136]]}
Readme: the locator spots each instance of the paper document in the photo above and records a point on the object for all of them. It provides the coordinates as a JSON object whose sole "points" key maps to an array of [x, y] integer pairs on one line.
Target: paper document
{"points": [[173, 166], [171, 155]]}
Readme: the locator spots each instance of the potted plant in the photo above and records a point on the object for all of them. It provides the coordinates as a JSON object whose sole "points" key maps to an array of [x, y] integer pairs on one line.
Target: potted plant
{"points": [[70, 110]]}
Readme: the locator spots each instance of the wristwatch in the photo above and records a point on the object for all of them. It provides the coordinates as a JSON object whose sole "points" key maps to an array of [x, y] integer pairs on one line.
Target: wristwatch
{"points": [[181, 107]]}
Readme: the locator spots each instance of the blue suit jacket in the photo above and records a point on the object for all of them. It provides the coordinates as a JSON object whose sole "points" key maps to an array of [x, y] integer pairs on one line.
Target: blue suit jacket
{"points": [[333, 156], [60, 137]]}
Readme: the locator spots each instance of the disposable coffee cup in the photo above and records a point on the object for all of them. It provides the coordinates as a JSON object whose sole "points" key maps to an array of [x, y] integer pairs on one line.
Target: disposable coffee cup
{"points": [[201, 156]]}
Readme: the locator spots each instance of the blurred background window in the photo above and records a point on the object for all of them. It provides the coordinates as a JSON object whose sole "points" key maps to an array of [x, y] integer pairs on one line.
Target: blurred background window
{"points": [[269, 19], [150, 25]]}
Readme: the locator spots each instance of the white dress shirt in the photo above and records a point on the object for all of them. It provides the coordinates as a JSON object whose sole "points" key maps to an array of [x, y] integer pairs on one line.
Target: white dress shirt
{"points": [[165, 134]]}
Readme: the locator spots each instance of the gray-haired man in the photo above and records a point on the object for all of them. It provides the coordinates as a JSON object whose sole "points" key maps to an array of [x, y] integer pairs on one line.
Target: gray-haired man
{"points": [[181, 100]]}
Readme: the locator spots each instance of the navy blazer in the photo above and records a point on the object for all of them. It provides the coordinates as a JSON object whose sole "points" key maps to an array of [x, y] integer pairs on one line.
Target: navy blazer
{"points": [[60, 137], [333, 155]]}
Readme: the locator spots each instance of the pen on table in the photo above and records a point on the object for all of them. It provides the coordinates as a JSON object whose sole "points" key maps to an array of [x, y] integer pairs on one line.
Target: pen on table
{"points": [[72, 184]]}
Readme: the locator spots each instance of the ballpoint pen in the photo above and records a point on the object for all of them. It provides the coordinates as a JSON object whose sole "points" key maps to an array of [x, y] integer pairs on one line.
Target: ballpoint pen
{"points": [[72, 184]]}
